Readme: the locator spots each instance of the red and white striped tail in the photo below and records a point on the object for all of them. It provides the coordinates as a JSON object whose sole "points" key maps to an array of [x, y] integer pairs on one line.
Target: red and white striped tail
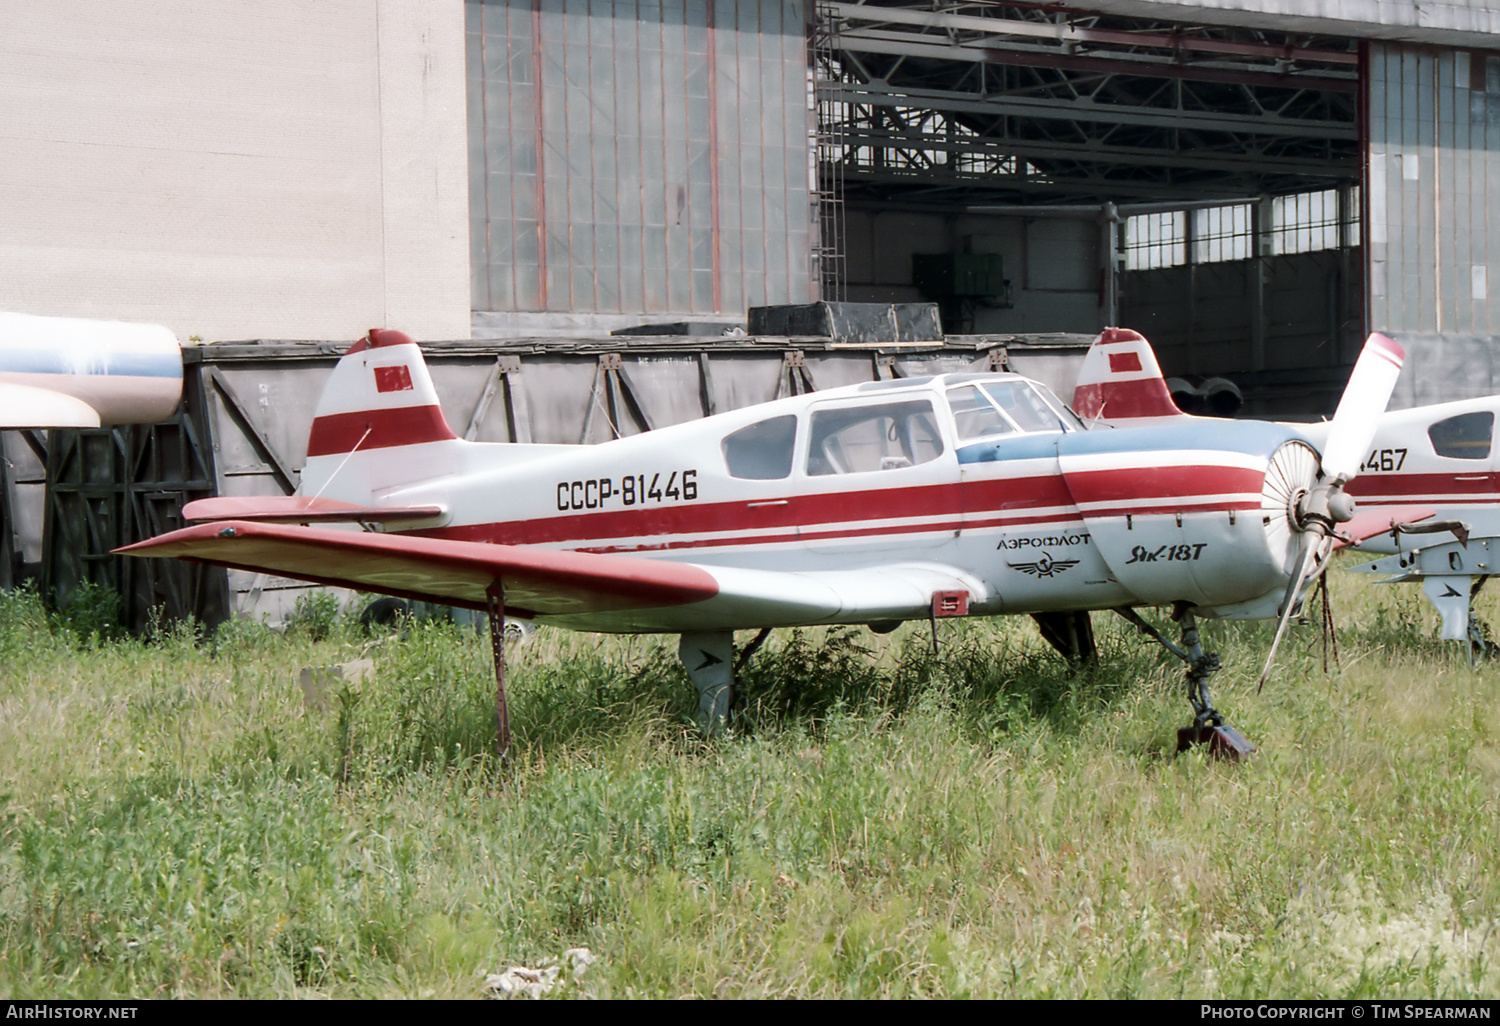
{"points": [[380, 396], [378, 426], [1121, 380]]}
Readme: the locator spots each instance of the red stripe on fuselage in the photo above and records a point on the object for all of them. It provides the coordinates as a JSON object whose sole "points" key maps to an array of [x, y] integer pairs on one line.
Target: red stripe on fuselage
{"points": [[1480, 484], [1090, 486], [944, 508], [790, 536], [336, 433], [799, 511]]}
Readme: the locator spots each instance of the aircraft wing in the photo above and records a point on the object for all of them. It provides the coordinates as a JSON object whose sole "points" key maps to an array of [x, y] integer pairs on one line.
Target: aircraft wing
{"points": [[579, 590]]}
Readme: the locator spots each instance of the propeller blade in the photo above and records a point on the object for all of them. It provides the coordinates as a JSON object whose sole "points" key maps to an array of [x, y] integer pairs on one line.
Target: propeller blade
{"points": [[1315, 554], [1364, 400]]}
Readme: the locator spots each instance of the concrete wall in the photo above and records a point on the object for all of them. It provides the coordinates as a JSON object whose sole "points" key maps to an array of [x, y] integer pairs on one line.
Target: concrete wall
{"points": [[636, 161], [237, 169], [1052, 263]]}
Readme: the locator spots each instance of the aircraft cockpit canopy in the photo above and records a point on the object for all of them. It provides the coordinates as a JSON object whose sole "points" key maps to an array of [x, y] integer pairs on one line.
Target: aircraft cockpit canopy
{"points": [[889, 433]]}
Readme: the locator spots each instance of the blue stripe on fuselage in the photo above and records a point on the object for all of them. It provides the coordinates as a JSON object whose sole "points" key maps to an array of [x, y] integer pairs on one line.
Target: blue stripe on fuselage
{"points": [[1252, 437], [1013, 447], [90, 361]]}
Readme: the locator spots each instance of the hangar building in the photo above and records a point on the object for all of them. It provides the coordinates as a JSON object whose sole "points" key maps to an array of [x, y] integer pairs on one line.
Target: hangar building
{"points": [[1253, 183]]}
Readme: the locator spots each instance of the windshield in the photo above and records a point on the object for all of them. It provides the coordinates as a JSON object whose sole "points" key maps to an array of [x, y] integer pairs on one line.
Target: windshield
{"points": [[989, 409], [1068, 419]]}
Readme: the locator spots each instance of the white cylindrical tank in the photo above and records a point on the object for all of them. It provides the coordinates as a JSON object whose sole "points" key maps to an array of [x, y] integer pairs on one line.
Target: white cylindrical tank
{"points": [[73, 372]]}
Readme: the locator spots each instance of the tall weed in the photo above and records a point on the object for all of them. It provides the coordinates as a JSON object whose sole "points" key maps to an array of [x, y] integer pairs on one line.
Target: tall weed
{"points": [[878, 820]]}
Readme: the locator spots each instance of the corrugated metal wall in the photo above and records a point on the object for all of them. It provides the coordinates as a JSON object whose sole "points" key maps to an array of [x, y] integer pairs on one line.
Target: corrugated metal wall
{"points": [[1434, 194], [642, 156]]}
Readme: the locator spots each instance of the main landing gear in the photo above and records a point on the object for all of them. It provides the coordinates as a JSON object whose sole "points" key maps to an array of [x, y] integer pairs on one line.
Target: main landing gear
{"points": [[1072, 634], [711, 663], [1208, 726]]}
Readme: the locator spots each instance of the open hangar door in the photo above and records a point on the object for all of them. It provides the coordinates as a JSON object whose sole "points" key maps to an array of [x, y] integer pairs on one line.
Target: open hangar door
{"points": [[1035, 170]]}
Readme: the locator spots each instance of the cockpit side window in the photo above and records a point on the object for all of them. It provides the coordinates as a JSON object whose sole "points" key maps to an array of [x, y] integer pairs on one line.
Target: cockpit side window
{"points": [[879, 436], [1464, 437], [762, 451]]}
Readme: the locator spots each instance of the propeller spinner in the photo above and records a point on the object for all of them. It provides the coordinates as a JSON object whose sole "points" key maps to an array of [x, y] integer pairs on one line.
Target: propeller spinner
{"points": [[1317, 512]]}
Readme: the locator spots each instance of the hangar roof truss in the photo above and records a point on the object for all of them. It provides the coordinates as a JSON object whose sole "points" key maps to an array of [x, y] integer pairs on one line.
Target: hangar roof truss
{"points": [[949, 103]]}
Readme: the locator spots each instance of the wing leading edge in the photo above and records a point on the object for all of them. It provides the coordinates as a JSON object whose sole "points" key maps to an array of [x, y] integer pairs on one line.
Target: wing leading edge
{"points": [[579, 590]]}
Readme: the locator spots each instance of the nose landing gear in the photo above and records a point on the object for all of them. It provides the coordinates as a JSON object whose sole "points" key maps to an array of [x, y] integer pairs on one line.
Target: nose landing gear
{"points": [[1208, 726]]}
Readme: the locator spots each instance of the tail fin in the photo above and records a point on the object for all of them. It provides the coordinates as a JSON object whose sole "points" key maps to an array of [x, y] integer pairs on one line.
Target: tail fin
{"points": [[1121, 380], [378, 422], [380, 396]]}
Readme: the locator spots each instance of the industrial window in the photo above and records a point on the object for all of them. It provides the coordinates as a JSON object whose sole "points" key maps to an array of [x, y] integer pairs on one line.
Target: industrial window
{"points": [[1300, 222], [1465, 437], [1307, 221], [1155, 240], [762, 451], [884, 436], [1222, 233]]}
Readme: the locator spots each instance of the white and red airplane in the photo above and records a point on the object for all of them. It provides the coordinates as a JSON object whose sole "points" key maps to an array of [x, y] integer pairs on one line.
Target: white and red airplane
{"points": [[1440, 457], [1429, 461], [953, 495]]}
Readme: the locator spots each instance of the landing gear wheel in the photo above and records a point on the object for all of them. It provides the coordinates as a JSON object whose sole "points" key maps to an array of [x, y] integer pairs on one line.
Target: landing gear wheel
{"points": [[385, 613], [1208, 726], [1072, 634]]}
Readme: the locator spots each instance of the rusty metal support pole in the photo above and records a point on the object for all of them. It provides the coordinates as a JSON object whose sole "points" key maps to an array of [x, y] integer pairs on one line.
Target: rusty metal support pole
{"points": [[495, 606]]}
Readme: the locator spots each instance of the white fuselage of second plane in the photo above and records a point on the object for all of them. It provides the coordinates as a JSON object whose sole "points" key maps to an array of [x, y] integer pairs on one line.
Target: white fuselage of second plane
{"points": [[1440, 457]]}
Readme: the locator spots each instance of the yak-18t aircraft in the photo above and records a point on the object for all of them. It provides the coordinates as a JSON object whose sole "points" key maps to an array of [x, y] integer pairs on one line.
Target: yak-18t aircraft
{"points": [[975, 494], [1435, 460]]}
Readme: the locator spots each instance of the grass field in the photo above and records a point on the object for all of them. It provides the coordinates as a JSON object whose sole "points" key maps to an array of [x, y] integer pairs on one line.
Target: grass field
{"points": [[879, 823]]}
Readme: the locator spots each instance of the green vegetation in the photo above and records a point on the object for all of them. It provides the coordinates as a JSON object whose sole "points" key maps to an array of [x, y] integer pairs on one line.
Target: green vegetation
{"points": [[176, 821]]}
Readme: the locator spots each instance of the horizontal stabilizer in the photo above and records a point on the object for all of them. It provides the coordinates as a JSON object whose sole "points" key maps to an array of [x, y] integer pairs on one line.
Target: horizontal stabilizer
{"points": [[299, 509], [1367, 523]]}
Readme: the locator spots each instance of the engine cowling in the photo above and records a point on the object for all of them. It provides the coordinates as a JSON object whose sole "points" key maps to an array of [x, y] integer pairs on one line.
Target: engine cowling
{"points": [[1202, 516]]}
